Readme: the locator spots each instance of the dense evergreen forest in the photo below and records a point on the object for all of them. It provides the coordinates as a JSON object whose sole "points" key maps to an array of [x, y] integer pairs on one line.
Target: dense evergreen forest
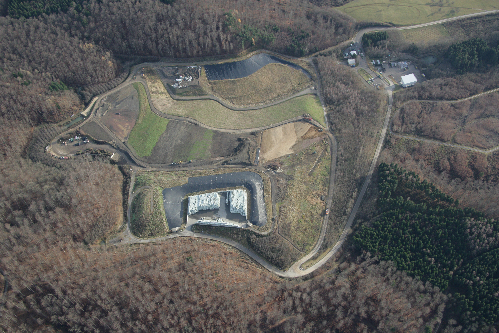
{"points": [[56, 272], [424, 233], [471, 54]]}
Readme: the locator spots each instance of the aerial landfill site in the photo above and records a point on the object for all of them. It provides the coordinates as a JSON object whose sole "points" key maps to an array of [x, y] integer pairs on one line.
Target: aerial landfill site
{"points": [[236, 199]]}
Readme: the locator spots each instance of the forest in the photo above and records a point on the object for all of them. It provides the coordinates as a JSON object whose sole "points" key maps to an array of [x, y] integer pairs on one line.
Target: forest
{"points": [[468, 55], [57, 271], [372, 39], [425, 233]]}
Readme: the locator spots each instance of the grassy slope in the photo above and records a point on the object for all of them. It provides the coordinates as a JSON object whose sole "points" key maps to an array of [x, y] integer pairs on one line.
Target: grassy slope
{"points": [[269, 83], [213, 114], [148, 128], [301, 212], [148, 215], [426, 35], [410, 12]]}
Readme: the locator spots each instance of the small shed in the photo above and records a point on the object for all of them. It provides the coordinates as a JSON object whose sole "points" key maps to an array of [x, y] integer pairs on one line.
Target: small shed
{"points": [[408, 80], [351, 62]]}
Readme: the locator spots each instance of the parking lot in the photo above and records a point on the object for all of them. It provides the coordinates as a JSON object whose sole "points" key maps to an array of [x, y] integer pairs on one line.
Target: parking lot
{"points": [[396, 69]]}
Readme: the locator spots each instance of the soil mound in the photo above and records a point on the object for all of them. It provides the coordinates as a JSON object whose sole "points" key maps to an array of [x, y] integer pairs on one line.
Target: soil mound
{"points": [[287, 139]]}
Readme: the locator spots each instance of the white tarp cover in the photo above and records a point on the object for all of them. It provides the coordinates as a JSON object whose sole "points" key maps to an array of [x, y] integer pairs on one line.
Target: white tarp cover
{"points": [[207, 201], [408, 80], [238, 201]]}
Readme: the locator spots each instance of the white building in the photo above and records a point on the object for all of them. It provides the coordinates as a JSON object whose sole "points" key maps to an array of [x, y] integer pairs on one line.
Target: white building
{"points": [[207, 201], [408, 80], [351, 62]]}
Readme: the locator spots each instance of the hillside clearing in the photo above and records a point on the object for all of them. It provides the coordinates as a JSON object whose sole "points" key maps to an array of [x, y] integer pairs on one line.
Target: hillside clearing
{"points": [[148, 215], [148, 128], [411, 12], [214, 114]]}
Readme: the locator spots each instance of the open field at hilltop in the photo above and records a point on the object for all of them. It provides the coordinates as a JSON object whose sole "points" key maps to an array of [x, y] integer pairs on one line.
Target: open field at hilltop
{"points": [[410, 12], [268, 84], [432, 34], [444, 34], [214, 114], [148, 128]]}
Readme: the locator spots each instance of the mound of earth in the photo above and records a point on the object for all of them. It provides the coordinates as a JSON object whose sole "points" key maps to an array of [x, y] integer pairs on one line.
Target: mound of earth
{"points": [[268, 84], [122, 111], [287, 139], [183, 141]]}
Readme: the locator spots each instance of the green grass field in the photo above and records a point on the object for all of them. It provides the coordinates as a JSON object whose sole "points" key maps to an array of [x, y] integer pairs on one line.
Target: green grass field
{"points": [[148, 128], [216, 115], [201, 149], [410, 12]]}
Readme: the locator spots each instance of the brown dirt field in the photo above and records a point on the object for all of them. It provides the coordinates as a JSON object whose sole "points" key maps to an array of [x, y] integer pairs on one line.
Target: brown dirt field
{"points": [[93, 130], [183, 141], [287, 139], [123, 111]]}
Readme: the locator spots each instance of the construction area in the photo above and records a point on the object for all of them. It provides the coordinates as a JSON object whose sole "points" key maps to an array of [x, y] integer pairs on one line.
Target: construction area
{"points": [[211, 208]]}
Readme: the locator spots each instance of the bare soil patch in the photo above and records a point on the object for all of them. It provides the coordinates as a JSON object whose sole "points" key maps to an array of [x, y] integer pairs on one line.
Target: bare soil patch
{"points": [[287, 139], [94, 130], [183, 141], [123, 111]]}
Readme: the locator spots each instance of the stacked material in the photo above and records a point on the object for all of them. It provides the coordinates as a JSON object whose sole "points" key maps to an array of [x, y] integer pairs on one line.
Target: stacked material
{"points": [[238, 202], [219, 223], [207, 201]]}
